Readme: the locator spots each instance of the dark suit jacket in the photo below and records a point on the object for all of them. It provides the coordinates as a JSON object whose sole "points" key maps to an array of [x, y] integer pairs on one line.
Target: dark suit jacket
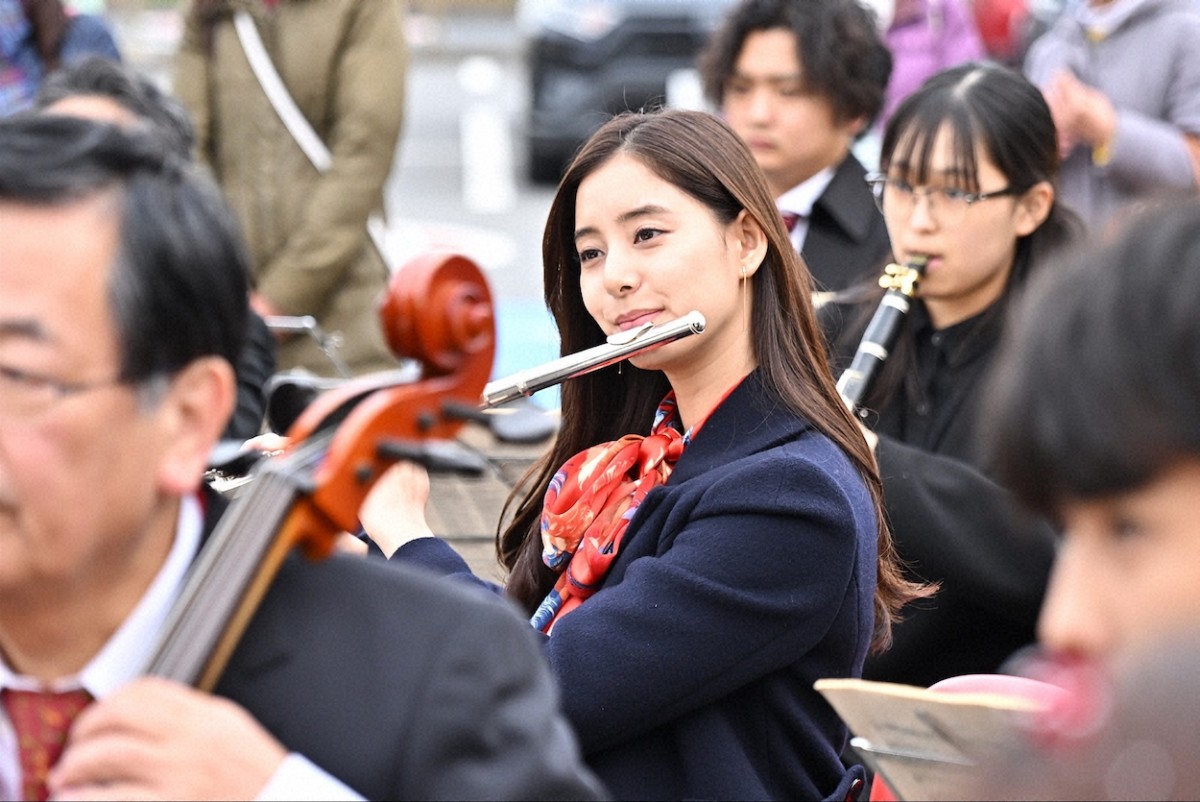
{"points": [[405, 686], [847, 240], [256, 363]]}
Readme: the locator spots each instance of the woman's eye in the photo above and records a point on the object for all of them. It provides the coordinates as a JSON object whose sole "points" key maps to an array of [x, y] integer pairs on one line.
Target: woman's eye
{"points": [[955, 194], [901, 186], [644, 234], [588, 254]]}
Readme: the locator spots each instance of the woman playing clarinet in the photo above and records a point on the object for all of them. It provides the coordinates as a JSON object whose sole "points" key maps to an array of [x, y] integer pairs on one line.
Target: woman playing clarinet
{"points": [[705, 537], [967, 186]]}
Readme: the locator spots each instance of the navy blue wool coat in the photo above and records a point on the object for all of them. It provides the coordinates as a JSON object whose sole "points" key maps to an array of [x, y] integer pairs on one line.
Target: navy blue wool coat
{"points": [[746, 577]]}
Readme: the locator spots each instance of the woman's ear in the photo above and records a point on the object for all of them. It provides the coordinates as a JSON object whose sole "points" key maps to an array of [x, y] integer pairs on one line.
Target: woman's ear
{"points": [[751, 241], [1034, 207]]}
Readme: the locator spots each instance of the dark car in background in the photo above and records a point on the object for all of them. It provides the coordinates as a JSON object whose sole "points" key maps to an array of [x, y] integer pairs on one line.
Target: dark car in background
{"points": [[590, 59]]}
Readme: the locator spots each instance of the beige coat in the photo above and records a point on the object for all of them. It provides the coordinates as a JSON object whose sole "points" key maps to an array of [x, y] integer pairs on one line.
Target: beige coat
{"points": [[343, 62]]}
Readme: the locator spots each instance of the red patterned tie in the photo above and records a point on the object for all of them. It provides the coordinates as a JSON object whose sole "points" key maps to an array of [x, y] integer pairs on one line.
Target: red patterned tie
{"points": [[41, 721], [789, 220]]}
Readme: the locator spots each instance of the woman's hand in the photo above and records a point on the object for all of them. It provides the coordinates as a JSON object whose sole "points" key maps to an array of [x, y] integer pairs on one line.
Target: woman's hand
{"points": [[393, 513], [263, 306]]}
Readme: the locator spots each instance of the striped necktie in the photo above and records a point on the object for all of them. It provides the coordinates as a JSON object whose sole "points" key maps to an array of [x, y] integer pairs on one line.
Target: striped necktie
{"points": [[41, 721]]}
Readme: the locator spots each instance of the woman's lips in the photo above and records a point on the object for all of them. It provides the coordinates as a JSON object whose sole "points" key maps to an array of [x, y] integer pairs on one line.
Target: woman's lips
{"points": [[635, 319]]}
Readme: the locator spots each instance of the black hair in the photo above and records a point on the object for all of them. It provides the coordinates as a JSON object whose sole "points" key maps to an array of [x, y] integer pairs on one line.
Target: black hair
{"points": [[993, 106], [844, 58], [178, 289], [1097, 389], [102, 77]]}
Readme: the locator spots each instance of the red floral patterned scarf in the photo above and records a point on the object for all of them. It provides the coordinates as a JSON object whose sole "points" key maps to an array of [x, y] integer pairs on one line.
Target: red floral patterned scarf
{"points": [[590, 502]]}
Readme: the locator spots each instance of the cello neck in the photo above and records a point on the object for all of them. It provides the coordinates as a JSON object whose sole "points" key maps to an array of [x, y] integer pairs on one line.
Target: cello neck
{"points": [[231, 575]]}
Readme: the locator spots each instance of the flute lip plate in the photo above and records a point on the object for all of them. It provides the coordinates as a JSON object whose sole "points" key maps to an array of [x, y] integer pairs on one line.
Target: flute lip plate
{"points": [[626, 337]]}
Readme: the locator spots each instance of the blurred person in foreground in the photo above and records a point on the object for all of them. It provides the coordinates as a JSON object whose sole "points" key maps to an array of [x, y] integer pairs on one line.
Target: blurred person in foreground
{"points": [[1094, 417], [1093, 421], [1131, 736], [343, 62], [704, 539], [122, 307], [800, 82]]}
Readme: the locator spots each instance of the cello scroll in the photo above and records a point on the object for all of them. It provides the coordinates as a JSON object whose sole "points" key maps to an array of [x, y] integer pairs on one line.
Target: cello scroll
{"points": [[309, 495]]}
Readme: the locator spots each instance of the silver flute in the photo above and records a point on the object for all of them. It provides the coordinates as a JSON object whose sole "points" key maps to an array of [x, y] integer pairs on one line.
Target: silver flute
{"points": [[619, 346]]}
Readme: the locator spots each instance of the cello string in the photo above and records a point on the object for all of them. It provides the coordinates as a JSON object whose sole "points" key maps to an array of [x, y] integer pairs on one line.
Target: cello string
{"points": [[226, 566]]}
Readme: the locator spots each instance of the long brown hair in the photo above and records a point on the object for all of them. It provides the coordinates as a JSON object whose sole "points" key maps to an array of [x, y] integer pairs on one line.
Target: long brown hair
{"points": [[702, 156]]}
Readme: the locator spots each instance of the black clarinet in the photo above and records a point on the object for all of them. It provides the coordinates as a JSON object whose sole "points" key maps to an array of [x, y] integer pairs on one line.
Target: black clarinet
{"points": [[900, 281]]}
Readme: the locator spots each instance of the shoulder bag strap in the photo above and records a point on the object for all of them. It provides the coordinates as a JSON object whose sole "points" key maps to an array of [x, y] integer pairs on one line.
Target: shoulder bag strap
{"points": [[289, 113]]}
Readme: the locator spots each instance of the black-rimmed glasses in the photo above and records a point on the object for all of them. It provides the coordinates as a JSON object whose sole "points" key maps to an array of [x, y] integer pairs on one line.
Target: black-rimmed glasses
{"points": [[948, 205]]}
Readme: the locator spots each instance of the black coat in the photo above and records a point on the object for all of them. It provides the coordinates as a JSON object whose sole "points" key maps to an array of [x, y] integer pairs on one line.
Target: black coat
{"points": [[255, 366], [951, 522], [847, 239]]}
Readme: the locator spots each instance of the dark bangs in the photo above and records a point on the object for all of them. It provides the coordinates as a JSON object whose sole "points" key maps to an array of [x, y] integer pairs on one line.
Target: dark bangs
{"points": [[912, 133], [982, 104]]}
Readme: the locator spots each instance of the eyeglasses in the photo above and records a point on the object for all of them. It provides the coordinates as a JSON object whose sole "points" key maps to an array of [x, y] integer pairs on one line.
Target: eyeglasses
{"points": [[24, 394], [947, 205]]}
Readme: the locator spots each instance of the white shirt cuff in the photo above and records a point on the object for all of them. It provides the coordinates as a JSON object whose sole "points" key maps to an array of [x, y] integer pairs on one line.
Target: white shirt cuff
{"points": [[300, 779]]}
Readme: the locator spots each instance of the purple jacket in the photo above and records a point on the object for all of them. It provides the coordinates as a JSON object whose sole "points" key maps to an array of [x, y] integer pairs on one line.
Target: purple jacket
{"points": [[925, 37]]}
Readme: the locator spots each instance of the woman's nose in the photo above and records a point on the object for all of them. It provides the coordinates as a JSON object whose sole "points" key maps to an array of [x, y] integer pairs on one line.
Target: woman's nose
{"points": [[923, 215], [620, 277]]}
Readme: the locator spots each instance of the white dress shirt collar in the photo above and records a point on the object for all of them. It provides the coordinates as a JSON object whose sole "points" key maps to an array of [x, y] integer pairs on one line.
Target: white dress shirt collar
{"points": [[800, 200], [125, 654]]}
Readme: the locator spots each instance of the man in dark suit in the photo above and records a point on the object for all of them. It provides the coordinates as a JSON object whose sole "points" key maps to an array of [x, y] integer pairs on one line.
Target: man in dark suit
{"points": [[800, 82], [122, 307]]}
